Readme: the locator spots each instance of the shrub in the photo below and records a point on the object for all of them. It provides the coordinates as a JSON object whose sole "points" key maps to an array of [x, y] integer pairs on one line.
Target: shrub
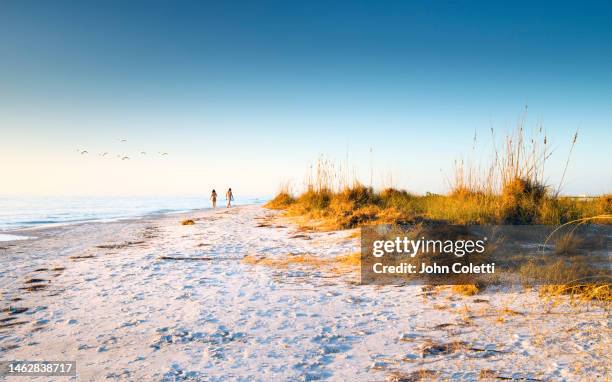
{"points": [[521, 199], [281, 201]]}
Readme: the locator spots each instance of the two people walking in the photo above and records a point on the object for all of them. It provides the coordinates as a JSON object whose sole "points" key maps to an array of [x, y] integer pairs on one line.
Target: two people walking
{"points": [[229, 196]]}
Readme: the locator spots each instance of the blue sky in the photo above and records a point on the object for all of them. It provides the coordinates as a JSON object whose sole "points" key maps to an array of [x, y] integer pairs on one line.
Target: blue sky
{"points": [[248, 94]]}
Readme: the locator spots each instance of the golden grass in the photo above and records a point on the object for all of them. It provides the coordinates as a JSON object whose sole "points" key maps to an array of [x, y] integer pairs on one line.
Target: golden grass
{"points": [[465, 289], [187, 222], [509, 189], [346, 261], [280, 201], [414, 376], [569, 277], [360, 205], [585, 292]]}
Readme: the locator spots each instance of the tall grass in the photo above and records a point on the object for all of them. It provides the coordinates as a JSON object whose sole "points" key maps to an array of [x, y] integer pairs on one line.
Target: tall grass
{"points": [[509, 189]]}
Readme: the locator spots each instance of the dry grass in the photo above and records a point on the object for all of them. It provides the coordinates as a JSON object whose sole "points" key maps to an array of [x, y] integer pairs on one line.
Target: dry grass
{"points": [[465, 289], [284, 262], [581, 292], [432, 348], [360, 205], [567, 244], [281, 201], [570, 276], [509, 189], [414, 376], [187, 222], [339, 263]]}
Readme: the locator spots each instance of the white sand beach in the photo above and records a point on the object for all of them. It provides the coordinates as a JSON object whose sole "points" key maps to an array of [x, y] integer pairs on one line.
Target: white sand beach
{"points": [[151, 299]]}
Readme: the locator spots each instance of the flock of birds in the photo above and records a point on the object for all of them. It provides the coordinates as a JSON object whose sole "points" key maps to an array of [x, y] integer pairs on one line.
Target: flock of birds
{"points": [[120, 156]]}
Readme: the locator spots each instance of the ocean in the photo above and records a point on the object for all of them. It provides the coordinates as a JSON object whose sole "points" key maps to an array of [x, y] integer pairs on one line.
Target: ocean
{"points": [[25, 212]]}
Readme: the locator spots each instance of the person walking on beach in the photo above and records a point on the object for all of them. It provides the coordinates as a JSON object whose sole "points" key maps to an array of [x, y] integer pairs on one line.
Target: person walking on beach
{"points": [[213, 198], [229, 196]]}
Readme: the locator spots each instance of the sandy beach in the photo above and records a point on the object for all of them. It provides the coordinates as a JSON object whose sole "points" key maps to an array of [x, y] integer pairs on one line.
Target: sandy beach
{"points": [[151, 299]]}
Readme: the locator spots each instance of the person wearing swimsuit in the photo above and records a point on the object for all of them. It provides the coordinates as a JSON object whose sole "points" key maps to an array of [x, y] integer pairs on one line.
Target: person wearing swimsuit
{"points": [[213, 198], [229, 196]]}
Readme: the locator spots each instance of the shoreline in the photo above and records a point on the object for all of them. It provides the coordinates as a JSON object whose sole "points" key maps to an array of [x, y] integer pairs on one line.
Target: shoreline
{"points": [[148, 215]]}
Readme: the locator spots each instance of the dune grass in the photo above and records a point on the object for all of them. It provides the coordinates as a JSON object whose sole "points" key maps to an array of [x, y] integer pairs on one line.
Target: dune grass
{"points": [[508, 190], [358, 205]]}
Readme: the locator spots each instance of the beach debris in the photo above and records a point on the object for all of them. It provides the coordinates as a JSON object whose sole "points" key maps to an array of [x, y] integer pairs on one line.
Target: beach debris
{"points": [[415, 376], [125, 158], [34, 287], [442, 326], [35, 281], [11, 324], [186, 258], [84, 152], [378, 365], [187, 222], [120, 245], [430, 348], [300, 236], [488, 374], [9, 347], [15, 310], [76, 257], [408, 337]]}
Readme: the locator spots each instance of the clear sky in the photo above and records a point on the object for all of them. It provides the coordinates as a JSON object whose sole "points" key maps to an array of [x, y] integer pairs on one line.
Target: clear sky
{"points": [[248, 94]]}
